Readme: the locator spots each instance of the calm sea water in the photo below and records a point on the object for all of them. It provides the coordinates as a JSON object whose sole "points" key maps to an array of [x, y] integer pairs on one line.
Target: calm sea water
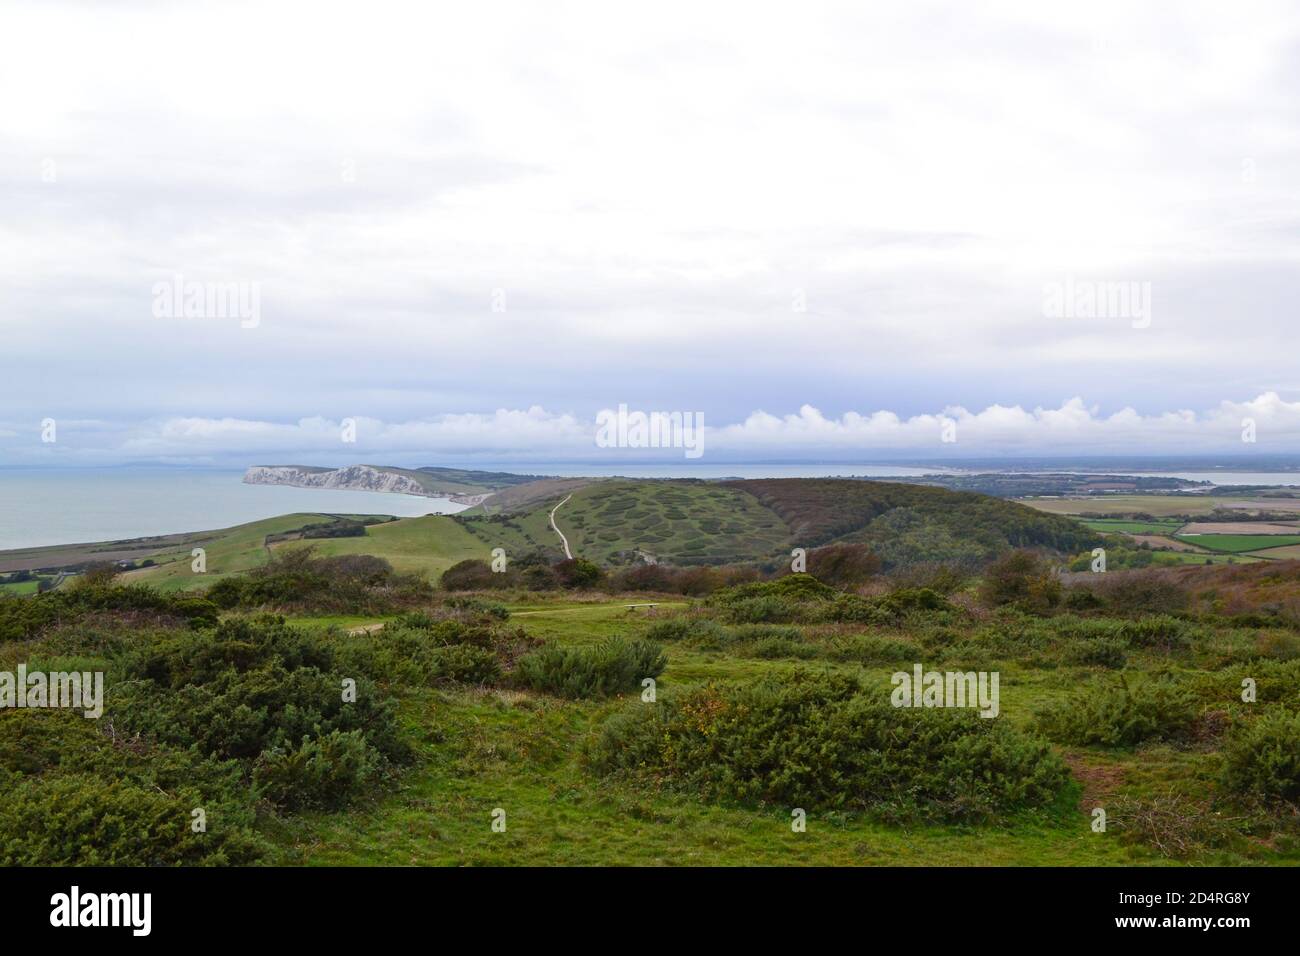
{"points": [[72, 506], [76, 505]]}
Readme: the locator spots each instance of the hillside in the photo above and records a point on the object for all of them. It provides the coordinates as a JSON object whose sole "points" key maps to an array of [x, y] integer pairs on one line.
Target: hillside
{"points": [[620, 522]]}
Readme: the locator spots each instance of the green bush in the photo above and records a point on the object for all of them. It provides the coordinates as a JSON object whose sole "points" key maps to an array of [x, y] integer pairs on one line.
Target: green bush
{"points": [[1102, 652], [465, 664], [1021, 578], [1159, 630], [775, 648], [85, 820], [1115, 715], [613, 666], [818, 742], [326, 773], [1262, 758], [872, 649]]}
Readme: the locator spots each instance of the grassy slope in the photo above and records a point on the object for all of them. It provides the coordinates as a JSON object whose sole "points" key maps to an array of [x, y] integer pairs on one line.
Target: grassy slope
{"points": [[430, 544], [229, 550], [521, 752]]}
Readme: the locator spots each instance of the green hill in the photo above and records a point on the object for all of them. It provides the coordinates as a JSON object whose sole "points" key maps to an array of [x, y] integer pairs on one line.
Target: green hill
{"points": [[622, 521]]}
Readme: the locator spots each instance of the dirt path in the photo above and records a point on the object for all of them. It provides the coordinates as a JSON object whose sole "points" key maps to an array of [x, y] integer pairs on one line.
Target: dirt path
{"points": [[557, 530]]}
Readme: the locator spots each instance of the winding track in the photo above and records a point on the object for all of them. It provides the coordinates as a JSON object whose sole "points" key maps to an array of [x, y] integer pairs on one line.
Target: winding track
{"points": [[557, 530]]}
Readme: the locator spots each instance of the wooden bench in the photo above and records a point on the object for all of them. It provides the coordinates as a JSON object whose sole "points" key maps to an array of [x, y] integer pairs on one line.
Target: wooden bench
{"points": [[633, 607]]}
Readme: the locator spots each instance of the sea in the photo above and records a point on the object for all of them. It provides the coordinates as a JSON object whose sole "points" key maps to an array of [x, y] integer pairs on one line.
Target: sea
{"points": [[41, 507]]}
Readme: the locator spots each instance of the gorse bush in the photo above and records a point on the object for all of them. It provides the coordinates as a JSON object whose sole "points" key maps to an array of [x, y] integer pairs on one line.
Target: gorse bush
{"points": [[1160, 631], [1115, 714], [613, 666], [326, 772], [22, 618], [821, 742], [85, 820], [1262, 758], [1021, 578], [1100, 652], [297, 579], [872, 649]]}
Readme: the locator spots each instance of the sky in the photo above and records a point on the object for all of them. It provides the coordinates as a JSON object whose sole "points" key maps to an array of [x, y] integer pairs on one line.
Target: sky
{"points": [[459, 231]]}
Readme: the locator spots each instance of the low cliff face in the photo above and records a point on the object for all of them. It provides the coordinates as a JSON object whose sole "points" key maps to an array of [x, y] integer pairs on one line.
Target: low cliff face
{"points": [[354, 478]]}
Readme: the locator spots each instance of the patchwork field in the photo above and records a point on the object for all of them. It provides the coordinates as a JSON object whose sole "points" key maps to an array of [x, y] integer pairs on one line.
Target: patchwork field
{"points": [[1159, 505]]}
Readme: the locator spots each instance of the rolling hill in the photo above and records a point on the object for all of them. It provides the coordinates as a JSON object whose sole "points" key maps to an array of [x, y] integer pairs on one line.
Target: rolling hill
{"points": [[620, 521]]}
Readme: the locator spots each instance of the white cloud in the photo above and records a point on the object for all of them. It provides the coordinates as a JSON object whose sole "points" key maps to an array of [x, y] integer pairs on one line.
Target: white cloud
{"points": [[537, 434], [649, 185]]}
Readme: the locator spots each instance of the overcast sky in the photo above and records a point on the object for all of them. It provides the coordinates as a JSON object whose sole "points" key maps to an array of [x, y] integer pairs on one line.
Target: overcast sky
{"points": [[471, 227]]}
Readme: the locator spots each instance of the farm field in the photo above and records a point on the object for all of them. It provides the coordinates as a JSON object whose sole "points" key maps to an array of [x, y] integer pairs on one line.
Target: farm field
{"points": [[1288, 553], [1239, 543], [1159, 505], [1238, 527], [1120, 526]]}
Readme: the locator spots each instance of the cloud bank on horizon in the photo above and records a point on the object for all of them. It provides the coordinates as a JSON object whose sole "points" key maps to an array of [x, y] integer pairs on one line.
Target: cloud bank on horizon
{"points": [[443, 212], [1267, 424]]}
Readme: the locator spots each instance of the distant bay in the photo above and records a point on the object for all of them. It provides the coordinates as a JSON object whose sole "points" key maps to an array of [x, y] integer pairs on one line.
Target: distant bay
{"points": [[71, 506]]}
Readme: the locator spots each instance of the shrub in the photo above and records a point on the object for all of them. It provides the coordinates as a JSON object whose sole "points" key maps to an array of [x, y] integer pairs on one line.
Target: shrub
{"points": [[1262, 758], [1116, 715], [818, 742], [1021, 577], [1160, 631], [1143, 592], [327, 772], [774, 648], [872, 649], [613, 666], [465, 664], [674, 629], [296, 578], [1102, 652], [84, 820], [579, 573], [843, 565], [469, 575]]}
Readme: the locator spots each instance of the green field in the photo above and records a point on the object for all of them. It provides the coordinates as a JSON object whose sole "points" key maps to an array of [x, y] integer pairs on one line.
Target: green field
{"points": [[1239, 543]]}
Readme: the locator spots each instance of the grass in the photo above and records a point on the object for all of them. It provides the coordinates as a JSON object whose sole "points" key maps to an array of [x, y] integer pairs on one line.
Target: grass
{"points": [[484, 749], [430, 544], [20, 587], [228, 551]]}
